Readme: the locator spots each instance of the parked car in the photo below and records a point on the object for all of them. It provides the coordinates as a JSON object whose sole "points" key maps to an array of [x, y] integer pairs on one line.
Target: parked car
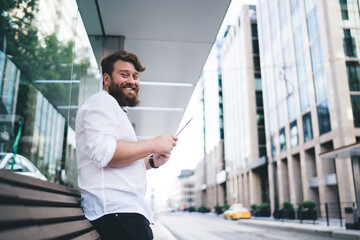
{"points": [[237, 211], [22, 165]]}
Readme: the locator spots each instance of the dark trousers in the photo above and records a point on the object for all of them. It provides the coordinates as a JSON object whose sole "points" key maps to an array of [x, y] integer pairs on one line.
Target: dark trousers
{"points": [[127, 226]]}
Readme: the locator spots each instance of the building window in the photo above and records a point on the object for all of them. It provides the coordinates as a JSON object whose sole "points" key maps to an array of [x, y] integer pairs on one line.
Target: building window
{"points": [[320, 86], [349, 44], [255, 46], [282, 140], [256, 63], [273, 147], [344, 10], [324, 118], [260, 117], [294, 139], [355, 102], [259, 99], [258, 81], [307, 127], [291, 107], [353, 72], [261, 136], [262, 151], [254, 30]]}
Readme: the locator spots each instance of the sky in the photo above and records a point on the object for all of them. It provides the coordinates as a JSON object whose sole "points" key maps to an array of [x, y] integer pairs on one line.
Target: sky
{"points": [[190, 148]]}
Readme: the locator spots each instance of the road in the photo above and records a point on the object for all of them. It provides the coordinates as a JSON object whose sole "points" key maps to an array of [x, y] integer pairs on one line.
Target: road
{"points": [[198, 226]]}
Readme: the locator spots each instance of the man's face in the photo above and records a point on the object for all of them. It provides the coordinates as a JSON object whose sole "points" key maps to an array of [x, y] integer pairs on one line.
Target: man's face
{"points": [[123, 85]]}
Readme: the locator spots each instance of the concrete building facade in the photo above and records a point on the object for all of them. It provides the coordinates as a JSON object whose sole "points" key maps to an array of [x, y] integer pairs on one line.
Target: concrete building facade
{"points": [[310, 71], [244, 131]]}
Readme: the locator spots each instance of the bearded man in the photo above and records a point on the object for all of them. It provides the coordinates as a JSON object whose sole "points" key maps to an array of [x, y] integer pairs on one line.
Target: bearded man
{"points": [[112, 164]]}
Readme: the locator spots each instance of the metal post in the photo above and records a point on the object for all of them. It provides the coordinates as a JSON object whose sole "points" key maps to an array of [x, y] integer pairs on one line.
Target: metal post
{"points": [[327, 214], [337, 190], [204, 131]]}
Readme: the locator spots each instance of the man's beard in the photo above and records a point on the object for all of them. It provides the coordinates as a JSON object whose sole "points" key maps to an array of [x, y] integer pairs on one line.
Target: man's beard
{"points": [[124, 99]]}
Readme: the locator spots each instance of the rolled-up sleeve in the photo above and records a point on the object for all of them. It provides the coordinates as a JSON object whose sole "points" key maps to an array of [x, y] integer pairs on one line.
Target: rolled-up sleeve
{"points": [[100, 132]]}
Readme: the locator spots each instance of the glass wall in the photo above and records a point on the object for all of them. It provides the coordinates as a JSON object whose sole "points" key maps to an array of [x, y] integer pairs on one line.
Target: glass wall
{"points": [[350, 20], [46, 62]]}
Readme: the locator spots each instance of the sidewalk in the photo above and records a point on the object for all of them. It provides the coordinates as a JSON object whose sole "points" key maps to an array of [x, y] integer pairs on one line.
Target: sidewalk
{"points": [[161, 232], [320, 227]]}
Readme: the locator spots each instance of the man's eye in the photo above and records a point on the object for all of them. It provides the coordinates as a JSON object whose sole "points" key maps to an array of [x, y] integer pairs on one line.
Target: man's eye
{"points": [[136, 77], [124, 75]]}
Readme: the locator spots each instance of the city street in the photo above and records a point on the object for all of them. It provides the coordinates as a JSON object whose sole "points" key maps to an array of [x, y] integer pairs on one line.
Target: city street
{"points": [[188, 226]]}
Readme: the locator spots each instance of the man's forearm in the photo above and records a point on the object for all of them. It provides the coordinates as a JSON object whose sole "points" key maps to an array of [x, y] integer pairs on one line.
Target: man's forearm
{"points": [[129, 151]]}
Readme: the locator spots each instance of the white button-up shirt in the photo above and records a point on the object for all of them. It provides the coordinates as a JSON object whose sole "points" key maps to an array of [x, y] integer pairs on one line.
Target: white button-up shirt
{"points": [[100, 122]]}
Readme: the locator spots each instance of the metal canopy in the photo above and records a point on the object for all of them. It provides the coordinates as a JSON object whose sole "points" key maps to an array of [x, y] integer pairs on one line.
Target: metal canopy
{"points": [[171, 38], [352, 150]]}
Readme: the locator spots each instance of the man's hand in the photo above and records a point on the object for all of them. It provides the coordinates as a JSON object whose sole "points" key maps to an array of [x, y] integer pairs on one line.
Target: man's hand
{"points": [[164, 144]]}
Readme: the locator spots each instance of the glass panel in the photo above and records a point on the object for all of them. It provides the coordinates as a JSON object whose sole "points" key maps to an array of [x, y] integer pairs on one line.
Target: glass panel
{"points": [[260, 117], [261, 136], [282, 140], [273, 146], [349, 44], [355, 102], [307, 127], [281, 114], [291, 107], [256, 63], [258, 82], [344, 10], [316, 55], [320, 86], [41, 74], [353, 73], [294, 139], [259, 99], [324, 118]]}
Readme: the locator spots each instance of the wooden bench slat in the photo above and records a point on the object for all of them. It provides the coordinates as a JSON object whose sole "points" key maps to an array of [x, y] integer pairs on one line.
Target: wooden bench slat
{"points": [[36, 209], [93, 235], [66, 229], [30, 182], [13, 214], [52, 231], [33, 196]]}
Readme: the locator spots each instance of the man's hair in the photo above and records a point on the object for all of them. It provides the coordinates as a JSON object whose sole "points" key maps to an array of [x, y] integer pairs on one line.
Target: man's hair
{"points": [[107, 64]]}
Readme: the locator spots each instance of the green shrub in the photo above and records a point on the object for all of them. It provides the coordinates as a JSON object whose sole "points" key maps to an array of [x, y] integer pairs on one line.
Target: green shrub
{"points": [[226, 206], [263, 206], [253, 206], [192, 209], [308, 204], [287, 205], [203, 209]]}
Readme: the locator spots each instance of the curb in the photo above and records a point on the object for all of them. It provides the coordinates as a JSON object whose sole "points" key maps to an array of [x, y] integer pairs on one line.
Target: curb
{"points": [[338, 233], [164, 233]]}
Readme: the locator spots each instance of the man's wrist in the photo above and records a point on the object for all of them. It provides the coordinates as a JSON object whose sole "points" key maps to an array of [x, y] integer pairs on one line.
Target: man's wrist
{"points": [[151, 161]]}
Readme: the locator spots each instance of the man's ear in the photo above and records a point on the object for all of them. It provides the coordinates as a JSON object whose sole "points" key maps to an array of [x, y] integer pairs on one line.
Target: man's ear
{"points": [[106, 79]]}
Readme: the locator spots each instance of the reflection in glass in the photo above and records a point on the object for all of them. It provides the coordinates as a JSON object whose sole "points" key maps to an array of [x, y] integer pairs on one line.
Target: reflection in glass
{"points": [[282, 140], [42, 74], [355, 103], [320, 86], [349, 43], [294, 138], [353, 73], [307, 127], [324, 118]]}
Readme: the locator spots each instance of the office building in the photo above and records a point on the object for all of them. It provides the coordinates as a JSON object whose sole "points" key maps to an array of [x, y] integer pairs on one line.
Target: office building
{"points": [[244, 131], [310, 73]]}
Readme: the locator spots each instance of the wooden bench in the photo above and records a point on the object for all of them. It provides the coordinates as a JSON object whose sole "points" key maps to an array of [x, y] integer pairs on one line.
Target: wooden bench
{"points": [[34, 209]]}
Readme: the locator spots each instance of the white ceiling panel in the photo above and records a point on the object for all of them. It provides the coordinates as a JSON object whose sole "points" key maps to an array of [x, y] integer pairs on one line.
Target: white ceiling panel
{"points": [[172, 39]]}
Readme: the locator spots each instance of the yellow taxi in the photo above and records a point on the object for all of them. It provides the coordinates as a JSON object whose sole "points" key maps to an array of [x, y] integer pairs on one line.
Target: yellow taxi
{"points": [[237, 211]]}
